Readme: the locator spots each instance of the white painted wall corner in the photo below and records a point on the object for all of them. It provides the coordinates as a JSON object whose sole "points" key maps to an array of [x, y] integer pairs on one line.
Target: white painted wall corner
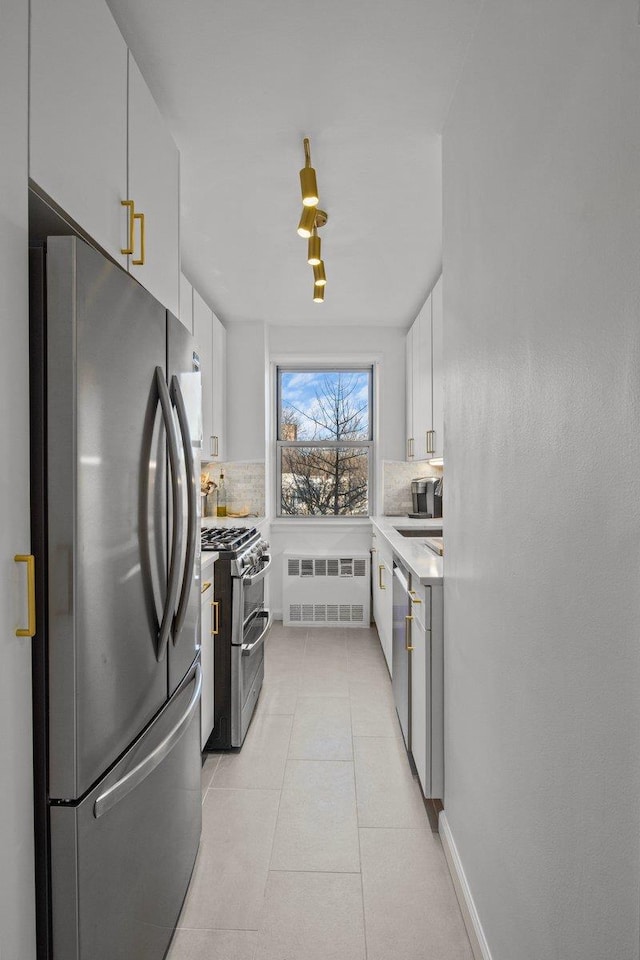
{"points": [[470, 916]]}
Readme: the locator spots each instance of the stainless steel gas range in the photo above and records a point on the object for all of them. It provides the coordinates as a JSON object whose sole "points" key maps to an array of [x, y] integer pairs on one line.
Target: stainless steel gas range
{"points": [[239, 585]]}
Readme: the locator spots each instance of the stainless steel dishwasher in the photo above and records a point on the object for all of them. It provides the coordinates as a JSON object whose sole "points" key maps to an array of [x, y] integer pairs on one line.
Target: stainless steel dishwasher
{"points": [[401, 653]]}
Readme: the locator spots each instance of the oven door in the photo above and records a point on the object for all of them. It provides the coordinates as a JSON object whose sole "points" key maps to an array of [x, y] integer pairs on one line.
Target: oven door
{"points": [[248, 599], [247, 666]]}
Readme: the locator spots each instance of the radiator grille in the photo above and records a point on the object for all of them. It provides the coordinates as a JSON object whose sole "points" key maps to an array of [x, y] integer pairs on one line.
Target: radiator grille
{"points": [[326, 567], [326, 613], [330, 591]]}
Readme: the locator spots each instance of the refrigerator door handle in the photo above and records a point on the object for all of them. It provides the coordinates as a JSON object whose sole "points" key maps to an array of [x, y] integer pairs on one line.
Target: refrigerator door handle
{"points": [[192, 514], [141, 771], [177, 533]]}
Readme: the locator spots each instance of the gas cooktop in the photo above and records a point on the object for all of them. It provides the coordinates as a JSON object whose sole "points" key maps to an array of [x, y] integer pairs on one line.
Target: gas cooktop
{"points": [[223, 539]]}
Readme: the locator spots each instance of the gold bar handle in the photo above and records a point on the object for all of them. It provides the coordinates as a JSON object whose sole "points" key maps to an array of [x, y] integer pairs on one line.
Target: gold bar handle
{"points": [[129, 203], [431, 434], [407, 621], [205, 586], [414, 597], [140, 217], [380, 583], [410, 448], [30, 561], [215, 614], [214, 447]]}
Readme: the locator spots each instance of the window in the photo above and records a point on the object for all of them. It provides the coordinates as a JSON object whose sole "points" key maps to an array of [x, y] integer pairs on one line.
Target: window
{"points": [[325, 441]]}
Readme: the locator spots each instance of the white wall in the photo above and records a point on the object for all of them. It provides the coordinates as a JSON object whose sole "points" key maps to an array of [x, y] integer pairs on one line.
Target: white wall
{"points": [[542, 576], [17, 924]]}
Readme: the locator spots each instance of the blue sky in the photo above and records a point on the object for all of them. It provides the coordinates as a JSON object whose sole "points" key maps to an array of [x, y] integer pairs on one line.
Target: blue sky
{"points": [[299, 389]]}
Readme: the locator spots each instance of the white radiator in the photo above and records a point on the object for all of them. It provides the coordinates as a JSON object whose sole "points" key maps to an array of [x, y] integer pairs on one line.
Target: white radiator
{"points": [[325, 591]]}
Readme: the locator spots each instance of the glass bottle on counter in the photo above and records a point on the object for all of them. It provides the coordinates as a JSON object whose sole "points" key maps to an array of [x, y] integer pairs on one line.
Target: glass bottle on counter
{"points": [[222, 496]]}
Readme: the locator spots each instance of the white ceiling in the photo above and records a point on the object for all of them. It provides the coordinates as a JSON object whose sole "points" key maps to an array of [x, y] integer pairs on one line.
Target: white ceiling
{"points": [[241, 82]]}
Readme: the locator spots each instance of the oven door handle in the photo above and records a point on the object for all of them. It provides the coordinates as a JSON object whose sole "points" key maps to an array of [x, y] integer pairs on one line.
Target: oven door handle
{"points": [[249, 648], [249, 581]]}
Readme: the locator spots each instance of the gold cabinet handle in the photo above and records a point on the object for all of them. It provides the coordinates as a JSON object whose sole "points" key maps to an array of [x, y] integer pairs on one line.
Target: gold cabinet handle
{"points": [[215, 618], [410, 447], [214, 446], [430, 441], [407, 621], [129, 203], [380, 583], [30, 561], [205, 586], [414, 597], [140, 217]]}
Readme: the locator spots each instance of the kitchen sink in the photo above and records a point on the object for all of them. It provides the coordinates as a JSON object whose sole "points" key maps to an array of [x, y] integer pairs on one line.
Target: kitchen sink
{"points": [[421, 532]]}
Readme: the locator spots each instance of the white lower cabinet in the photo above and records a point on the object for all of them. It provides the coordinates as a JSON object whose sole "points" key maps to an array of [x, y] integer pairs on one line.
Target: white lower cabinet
{"points": [[382, 594], [427, 680], [208, 630]]}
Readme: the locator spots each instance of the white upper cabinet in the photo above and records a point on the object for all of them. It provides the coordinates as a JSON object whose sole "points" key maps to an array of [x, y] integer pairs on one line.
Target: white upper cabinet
{"points": [[219, 374], [78, 115], [186, 303], [154, 187], [408, 361], [424, 380], [419, 398], [211, 343], [97, 138], [203, 336], [437, 366]]}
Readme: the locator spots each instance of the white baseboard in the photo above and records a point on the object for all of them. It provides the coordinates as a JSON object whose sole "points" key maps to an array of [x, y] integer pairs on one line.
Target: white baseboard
{"points": [[470, 916]]}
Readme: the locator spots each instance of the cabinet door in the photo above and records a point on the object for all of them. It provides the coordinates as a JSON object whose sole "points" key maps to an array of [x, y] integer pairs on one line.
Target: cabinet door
{"points": [[203, 336], [421, 642], [186, 303], [437, 376], [17, 886], [207, 630], [382, 590], [421, 378], [78, 116], [410, 441], [154, 187], [219, 366]]}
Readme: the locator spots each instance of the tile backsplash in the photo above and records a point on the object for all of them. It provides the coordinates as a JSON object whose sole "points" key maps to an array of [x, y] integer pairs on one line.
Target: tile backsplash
{"points": [[244, 482], [396, 477]]}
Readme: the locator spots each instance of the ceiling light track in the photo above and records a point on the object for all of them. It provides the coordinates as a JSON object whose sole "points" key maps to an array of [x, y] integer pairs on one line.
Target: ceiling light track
{"points": [[310, 221]]}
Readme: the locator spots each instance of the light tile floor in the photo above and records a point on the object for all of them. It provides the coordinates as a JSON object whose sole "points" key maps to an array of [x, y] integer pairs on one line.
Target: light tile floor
{"points": [[315, 841]]}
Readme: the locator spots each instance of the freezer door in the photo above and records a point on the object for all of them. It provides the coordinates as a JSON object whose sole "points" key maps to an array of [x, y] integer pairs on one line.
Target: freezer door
{"points": [[106, 513], [122, 859], [186, 398]]}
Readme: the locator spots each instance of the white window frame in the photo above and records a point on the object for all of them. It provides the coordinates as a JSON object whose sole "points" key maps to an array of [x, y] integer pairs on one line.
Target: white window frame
{"points": [[357, 366]]}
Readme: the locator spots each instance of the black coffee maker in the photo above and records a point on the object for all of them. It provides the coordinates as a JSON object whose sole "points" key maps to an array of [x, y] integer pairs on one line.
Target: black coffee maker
{"points": [[426, 493]]}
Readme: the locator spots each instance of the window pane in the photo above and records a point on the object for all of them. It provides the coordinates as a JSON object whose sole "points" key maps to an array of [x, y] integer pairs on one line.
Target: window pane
{"points": [[325, 481], [324, 405]]}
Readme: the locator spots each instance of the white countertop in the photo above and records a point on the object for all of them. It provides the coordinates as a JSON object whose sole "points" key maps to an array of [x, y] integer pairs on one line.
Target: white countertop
{"points": [[421, 561]]}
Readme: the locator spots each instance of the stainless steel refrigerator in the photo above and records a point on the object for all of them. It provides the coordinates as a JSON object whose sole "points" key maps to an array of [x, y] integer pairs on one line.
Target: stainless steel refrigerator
{"points": [[115, 474]]}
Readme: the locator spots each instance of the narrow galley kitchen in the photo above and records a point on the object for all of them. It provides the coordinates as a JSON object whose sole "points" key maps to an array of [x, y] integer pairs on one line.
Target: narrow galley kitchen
{"points": [[316, 843]]}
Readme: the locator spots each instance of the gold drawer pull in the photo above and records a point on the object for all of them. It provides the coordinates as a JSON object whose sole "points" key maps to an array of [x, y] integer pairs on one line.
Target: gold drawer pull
{"points": [[380, 583], [205, 586], [215, 617], [129, 203], [140, 217], [30, 561], [407, 621], [414, 597]]}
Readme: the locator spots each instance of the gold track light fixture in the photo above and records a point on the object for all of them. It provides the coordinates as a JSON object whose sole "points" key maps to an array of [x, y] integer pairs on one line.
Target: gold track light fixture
{"points": [[311, 219]]}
